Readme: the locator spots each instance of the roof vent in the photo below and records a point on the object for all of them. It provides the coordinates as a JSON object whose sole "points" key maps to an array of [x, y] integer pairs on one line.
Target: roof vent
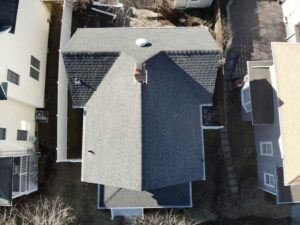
{"points": [[141, 42], [77, 81]]}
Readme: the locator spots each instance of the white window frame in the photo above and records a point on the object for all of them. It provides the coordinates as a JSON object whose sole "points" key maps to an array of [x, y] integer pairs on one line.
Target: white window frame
{"points": [[246, 102], [269, 175], [264, 143]]}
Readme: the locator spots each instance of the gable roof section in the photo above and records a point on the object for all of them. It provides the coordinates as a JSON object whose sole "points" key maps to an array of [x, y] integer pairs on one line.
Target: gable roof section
{"points": [[188, 39], [8, 15], [199, 65], [178, 196], [144, 136], [89, 69], [91, 52], [261, 92], [171, 126], [286, 57], [113, 130], [6, 181]]}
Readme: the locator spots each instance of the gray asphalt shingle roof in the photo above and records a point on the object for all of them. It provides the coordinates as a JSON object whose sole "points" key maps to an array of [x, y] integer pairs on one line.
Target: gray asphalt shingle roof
{"points": [[8, 15], [185, 39], [90, 53], [144, 136], [169, 197], [88, 68], [6, 181]]}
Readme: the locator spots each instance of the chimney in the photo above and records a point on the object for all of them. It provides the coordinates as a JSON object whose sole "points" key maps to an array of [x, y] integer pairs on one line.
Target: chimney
{"points": [[140, 72]]}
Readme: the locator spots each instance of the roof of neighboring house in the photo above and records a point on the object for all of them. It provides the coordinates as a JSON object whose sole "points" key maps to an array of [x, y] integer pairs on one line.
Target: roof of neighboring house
{"points": [[142, 136], [286, 57], [6, 181], [261, 92], [169, 197], [8, 15], [286, 194]]}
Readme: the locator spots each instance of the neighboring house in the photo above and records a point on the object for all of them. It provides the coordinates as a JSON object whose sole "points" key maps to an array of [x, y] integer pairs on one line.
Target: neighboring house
{"points": [[142, 128], [24, 27], [269, 99], [291, 18]]}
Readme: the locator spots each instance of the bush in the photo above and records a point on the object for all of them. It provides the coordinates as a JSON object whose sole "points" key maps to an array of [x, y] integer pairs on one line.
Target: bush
{"points": [[40, 212], [8, 216], [168, 217]]}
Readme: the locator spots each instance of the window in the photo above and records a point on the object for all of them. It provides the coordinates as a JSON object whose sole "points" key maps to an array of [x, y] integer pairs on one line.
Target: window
{"points": [[22, 135], [269, 180], [246, 99], [266, 148], [13, 77], [2, 133], [34, 68]]}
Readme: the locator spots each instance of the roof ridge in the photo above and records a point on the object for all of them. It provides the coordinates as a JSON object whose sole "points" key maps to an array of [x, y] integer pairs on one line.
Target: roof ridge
{"points": [[182, 52]]}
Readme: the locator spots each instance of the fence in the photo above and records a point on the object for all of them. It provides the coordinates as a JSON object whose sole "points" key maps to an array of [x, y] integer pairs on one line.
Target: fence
{"points": [[62, 87]]}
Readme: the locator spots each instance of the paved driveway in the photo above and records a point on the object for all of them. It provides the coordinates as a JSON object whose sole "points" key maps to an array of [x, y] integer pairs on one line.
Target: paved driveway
{"points": [[255, 24]]}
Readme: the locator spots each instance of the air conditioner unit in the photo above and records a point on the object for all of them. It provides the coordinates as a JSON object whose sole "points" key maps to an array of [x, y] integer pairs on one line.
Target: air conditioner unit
{"points": [[41, 116]]}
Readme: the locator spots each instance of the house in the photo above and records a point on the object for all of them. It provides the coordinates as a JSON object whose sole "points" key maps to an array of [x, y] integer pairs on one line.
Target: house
{"points": [[291, 18], [269, 100], [142, 91], [24, 26]]}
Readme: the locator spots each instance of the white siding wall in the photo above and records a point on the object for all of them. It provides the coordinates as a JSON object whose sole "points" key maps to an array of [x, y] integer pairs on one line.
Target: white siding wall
{"points": [[62, 86], [16, 116], [30, 38]]}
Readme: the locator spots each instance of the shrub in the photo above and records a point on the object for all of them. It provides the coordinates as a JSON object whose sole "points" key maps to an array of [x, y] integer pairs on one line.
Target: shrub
{"points": [[45, 212], [166, 218], [8, 216], [40, 212]]}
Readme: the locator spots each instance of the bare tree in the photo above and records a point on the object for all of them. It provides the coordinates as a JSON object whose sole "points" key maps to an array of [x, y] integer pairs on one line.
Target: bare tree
{"points": [[8, 216], [40, 212], [45, 212], [168, 217]]}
